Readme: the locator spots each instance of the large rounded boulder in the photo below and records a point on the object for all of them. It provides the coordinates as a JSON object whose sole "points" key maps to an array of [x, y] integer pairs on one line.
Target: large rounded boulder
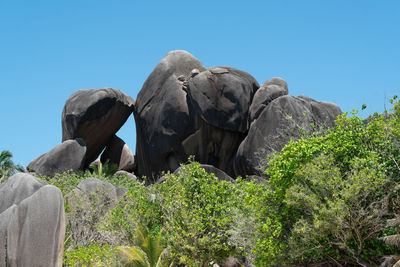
{"points": [[284, 118], [162, 115], [95, 115]]}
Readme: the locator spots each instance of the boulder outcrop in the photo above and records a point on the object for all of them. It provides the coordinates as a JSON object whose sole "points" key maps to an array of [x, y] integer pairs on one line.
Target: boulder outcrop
{"points": [[32, 222], [284, 118]]}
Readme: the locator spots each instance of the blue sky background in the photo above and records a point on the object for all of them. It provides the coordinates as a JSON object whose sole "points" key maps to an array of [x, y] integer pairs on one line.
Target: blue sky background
{"points": [[346, 52]]}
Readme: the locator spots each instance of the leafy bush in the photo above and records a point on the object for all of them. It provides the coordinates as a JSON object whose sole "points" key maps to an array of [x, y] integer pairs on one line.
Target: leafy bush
{"points": [[92, 255], [199, 213], [137, 207]]}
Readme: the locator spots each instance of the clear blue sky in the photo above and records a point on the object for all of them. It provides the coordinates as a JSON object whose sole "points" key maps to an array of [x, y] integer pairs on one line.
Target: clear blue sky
{"points": [[346, 52]]}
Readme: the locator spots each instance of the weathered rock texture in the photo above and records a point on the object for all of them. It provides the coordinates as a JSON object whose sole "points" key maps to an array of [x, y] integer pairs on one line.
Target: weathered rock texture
{"points": [[95, 115], [162, 115], [117, 152], [32, 223], [69, 155]]}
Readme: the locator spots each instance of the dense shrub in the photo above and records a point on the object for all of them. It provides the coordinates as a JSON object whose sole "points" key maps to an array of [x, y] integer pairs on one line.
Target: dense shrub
{"points": [[328, 197]]}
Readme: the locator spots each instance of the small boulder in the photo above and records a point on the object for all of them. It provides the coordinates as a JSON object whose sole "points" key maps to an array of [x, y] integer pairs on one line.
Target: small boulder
{"points": [[128, 175], [69, 155], [269, 90]]}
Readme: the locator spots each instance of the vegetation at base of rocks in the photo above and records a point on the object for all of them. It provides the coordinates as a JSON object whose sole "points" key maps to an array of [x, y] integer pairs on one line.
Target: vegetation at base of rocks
{"points": [[7, 166], [329, 198], [332, 199], [200, 213]]}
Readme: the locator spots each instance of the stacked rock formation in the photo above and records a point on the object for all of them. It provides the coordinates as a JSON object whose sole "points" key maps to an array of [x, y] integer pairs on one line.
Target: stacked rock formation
{"points": [[220, 115]]}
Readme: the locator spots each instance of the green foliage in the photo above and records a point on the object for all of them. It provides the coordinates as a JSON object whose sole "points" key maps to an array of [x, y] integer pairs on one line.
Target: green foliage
{"points": [[138, 206], [7, 166], [92, 255], [198, 210], [104, 170], [328, 196]]}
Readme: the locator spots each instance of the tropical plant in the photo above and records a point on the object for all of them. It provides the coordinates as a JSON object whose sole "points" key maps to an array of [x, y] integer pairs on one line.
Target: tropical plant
{"points": [[103, 170], [7, 166], [148, 250]]}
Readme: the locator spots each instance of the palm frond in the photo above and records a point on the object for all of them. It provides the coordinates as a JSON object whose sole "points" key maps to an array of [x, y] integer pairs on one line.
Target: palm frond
{"points": [[134, 257]]}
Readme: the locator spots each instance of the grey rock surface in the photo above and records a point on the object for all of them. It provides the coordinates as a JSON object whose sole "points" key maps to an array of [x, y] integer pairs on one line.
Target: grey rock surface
{"points": [[117, 152], [162, 115], [86, 190], [69, 155], [95, 115], [284, 118], [32, 223]]}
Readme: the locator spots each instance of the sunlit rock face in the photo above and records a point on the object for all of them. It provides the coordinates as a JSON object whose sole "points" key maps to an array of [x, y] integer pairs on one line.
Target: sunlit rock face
{"points": [[69, 155], [32, 222]]}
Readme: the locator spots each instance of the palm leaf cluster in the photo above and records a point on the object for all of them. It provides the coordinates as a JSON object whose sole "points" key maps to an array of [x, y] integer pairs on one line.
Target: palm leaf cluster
{"points": [[148, 251], [7, 166]]}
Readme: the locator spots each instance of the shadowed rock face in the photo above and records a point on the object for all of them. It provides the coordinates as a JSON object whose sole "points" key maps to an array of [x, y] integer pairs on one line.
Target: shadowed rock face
{"points": [[95, 115], [117, 152], [32, 222], [69, 155], [222, 96], [284, 118], [162, 115]]}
